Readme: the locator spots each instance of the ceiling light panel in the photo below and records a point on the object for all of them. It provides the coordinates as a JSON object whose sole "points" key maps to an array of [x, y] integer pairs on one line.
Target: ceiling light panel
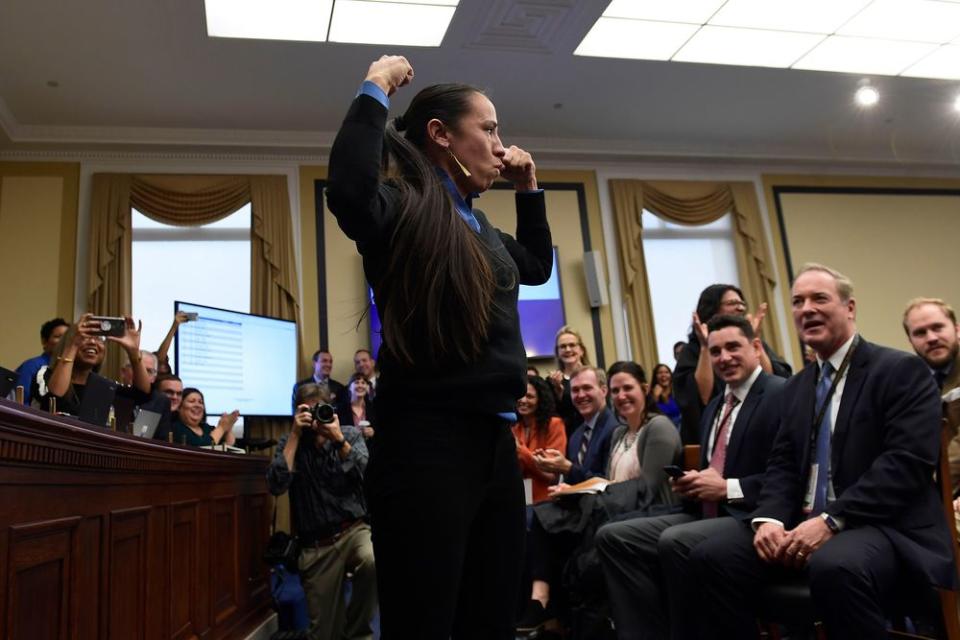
{"points": [[864, 55], [689, 11], [396, 23], [917, 20], [639, 39], [811, 16], [304, 20], [753, 47], [443, 3], [942, 63]]}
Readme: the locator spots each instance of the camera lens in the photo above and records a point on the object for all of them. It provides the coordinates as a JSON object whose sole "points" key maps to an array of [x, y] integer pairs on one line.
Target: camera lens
{"points": [[323, 412]]}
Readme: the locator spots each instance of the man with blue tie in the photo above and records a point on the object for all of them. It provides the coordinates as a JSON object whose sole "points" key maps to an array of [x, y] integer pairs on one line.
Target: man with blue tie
{"points": [[848, 500], [589, 445], [737, 430]]}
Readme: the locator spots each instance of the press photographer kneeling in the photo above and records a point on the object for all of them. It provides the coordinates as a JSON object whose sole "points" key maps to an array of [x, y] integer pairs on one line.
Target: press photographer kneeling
{"points": [[322, 465]]}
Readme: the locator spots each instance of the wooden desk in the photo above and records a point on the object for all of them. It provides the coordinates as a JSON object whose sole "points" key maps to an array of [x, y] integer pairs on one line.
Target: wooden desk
{"points": [[107, 536]]}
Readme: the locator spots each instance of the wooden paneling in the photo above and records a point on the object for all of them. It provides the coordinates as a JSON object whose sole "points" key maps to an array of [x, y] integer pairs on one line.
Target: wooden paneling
{"points": [[128, 574], [224, 574], [255, 511], [104, 535], [184, 559], [42, 579]]}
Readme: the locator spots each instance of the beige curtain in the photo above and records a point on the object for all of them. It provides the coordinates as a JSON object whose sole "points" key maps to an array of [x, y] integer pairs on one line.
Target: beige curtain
{"points": [[628, 206], [190, 201], [109, 262], [690, 203]]}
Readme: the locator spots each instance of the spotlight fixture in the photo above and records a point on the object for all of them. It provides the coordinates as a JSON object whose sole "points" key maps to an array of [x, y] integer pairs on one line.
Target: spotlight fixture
{"points": [[867, 96], [956, 103]]}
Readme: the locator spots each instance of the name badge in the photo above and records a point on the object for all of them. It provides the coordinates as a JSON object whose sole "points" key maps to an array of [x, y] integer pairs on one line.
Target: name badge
{"points": [[811, 488]]}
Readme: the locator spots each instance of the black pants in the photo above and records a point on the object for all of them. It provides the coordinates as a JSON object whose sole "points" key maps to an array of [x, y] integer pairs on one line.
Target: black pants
{"points": [[851, 577], [447, 507]]}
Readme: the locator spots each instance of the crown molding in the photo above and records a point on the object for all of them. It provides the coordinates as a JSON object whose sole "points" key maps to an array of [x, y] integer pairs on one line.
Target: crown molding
{"points": [[34, 142]]}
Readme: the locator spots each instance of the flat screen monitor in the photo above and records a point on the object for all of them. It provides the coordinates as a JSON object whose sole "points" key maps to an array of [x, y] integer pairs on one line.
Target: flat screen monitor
{"points": [[237, 360], [541, 315]]}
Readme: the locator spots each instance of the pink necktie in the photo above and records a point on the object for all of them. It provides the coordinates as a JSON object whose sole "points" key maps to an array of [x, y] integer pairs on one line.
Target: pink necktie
{"points": [[719, 456]]}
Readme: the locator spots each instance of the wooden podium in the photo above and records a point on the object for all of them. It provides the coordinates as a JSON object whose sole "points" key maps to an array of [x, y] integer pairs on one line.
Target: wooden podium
{"points": [[104, 535]]}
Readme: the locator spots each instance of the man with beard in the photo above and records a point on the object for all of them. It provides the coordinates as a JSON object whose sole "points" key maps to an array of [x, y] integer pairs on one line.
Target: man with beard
{"points": [[931, 326]]}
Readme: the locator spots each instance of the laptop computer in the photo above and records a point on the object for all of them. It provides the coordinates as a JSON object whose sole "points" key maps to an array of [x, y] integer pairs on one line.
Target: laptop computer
{"points": [[145, 423], [97, 400], [8, 381]]}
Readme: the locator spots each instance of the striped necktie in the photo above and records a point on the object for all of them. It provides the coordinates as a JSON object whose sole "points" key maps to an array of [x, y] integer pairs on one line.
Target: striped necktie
{"points": [[584, 444], [822, 458]]}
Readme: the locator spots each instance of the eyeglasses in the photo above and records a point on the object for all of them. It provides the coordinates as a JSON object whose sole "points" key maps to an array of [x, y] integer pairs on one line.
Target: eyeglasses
{"points": [[734, 304], [567, 345]]}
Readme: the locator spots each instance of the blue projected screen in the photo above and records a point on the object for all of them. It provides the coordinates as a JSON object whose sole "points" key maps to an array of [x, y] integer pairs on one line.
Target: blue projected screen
{"points": [[541, 315], [238, 360]]}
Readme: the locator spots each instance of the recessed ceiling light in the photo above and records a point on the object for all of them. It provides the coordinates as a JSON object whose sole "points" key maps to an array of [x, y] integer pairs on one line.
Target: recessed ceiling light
{"points": [[867, 96], [942, 63], [690, 11], [811, 16], [303, 20], [914, 20], [864, 55], [399, 23], [753, 47], [641, 39]]}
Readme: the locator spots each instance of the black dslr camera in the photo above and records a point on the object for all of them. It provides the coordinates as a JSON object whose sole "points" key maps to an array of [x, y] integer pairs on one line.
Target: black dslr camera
{"points": [[323, 412]]}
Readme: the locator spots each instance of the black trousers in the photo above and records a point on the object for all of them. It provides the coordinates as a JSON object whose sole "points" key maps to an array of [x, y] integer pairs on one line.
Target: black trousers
{"points": [[852, 576], [447, 511]]}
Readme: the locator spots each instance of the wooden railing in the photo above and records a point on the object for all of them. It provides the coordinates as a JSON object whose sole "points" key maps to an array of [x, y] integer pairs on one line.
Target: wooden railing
{"points": [[107, 536]]}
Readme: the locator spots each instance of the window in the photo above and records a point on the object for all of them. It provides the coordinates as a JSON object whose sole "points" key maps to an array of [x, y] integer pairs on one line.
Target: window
{"points": [[207, 265], [681, 262]]}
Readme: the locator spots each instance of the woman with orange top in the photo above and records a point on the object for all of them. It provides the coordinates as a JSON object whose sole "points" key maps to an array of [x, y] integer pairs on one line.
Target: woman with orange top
{"points": [[539, 428]]}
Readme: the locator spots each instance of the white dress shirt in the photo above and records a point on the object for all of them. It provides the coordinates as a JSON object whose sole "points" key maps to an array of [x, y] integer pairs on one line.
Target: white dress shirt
{"points": [[740, 391]]}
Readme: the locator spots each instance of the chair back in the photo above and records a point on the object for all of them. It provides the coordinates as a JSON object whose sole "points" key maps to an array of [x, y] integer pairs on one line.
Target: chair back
{"points": [[691, 457]]}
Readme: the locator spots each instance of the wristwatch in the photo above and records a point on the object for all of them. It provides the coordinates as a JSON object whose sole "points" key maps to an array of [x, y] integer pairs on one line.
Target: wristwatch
{"points": [[339, 445], [832, 524]]}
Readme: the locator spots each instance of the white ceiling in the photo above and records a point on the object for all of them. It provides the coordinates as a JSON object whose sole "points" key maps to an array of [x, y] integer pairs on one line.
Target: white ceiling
{"points": [[142, 75]]}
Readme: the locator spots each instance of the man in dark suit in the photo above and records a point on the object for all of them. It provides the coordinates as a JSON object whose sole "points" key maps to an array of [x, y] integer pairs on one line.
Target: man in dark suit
{"points": [[738, 427], [322, 366], [589, 446], [848, 501]]}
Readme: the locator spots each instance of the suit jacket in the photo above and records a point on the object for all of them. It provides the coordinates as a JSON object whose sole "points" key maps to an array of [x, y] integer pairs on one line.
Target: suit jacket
{"points": [[884, 449], [598, 451], [688, 395], [754, 432], [952, 410]]}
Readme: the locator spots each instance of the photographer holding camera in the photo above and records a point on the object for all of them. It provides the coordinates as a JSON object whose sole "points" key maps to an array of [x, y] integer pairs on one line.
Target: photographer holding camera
{"points": [[322, 465]]}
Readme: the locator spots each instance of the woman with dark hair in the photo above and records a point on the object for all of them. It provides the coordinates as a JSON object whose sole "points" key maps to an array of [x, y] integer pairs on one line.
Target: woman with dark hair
{"points": [[640, 447], [693, 379], [443, 483], [539, 427], [662, 393], [357, 408], [77, 359], [191, 426]]}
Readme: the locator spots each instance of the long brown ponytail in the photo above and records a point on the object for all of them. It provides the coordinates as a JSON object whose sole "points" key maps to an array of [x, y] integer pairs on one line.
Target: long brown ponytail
{"points": [[436, 298]]}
